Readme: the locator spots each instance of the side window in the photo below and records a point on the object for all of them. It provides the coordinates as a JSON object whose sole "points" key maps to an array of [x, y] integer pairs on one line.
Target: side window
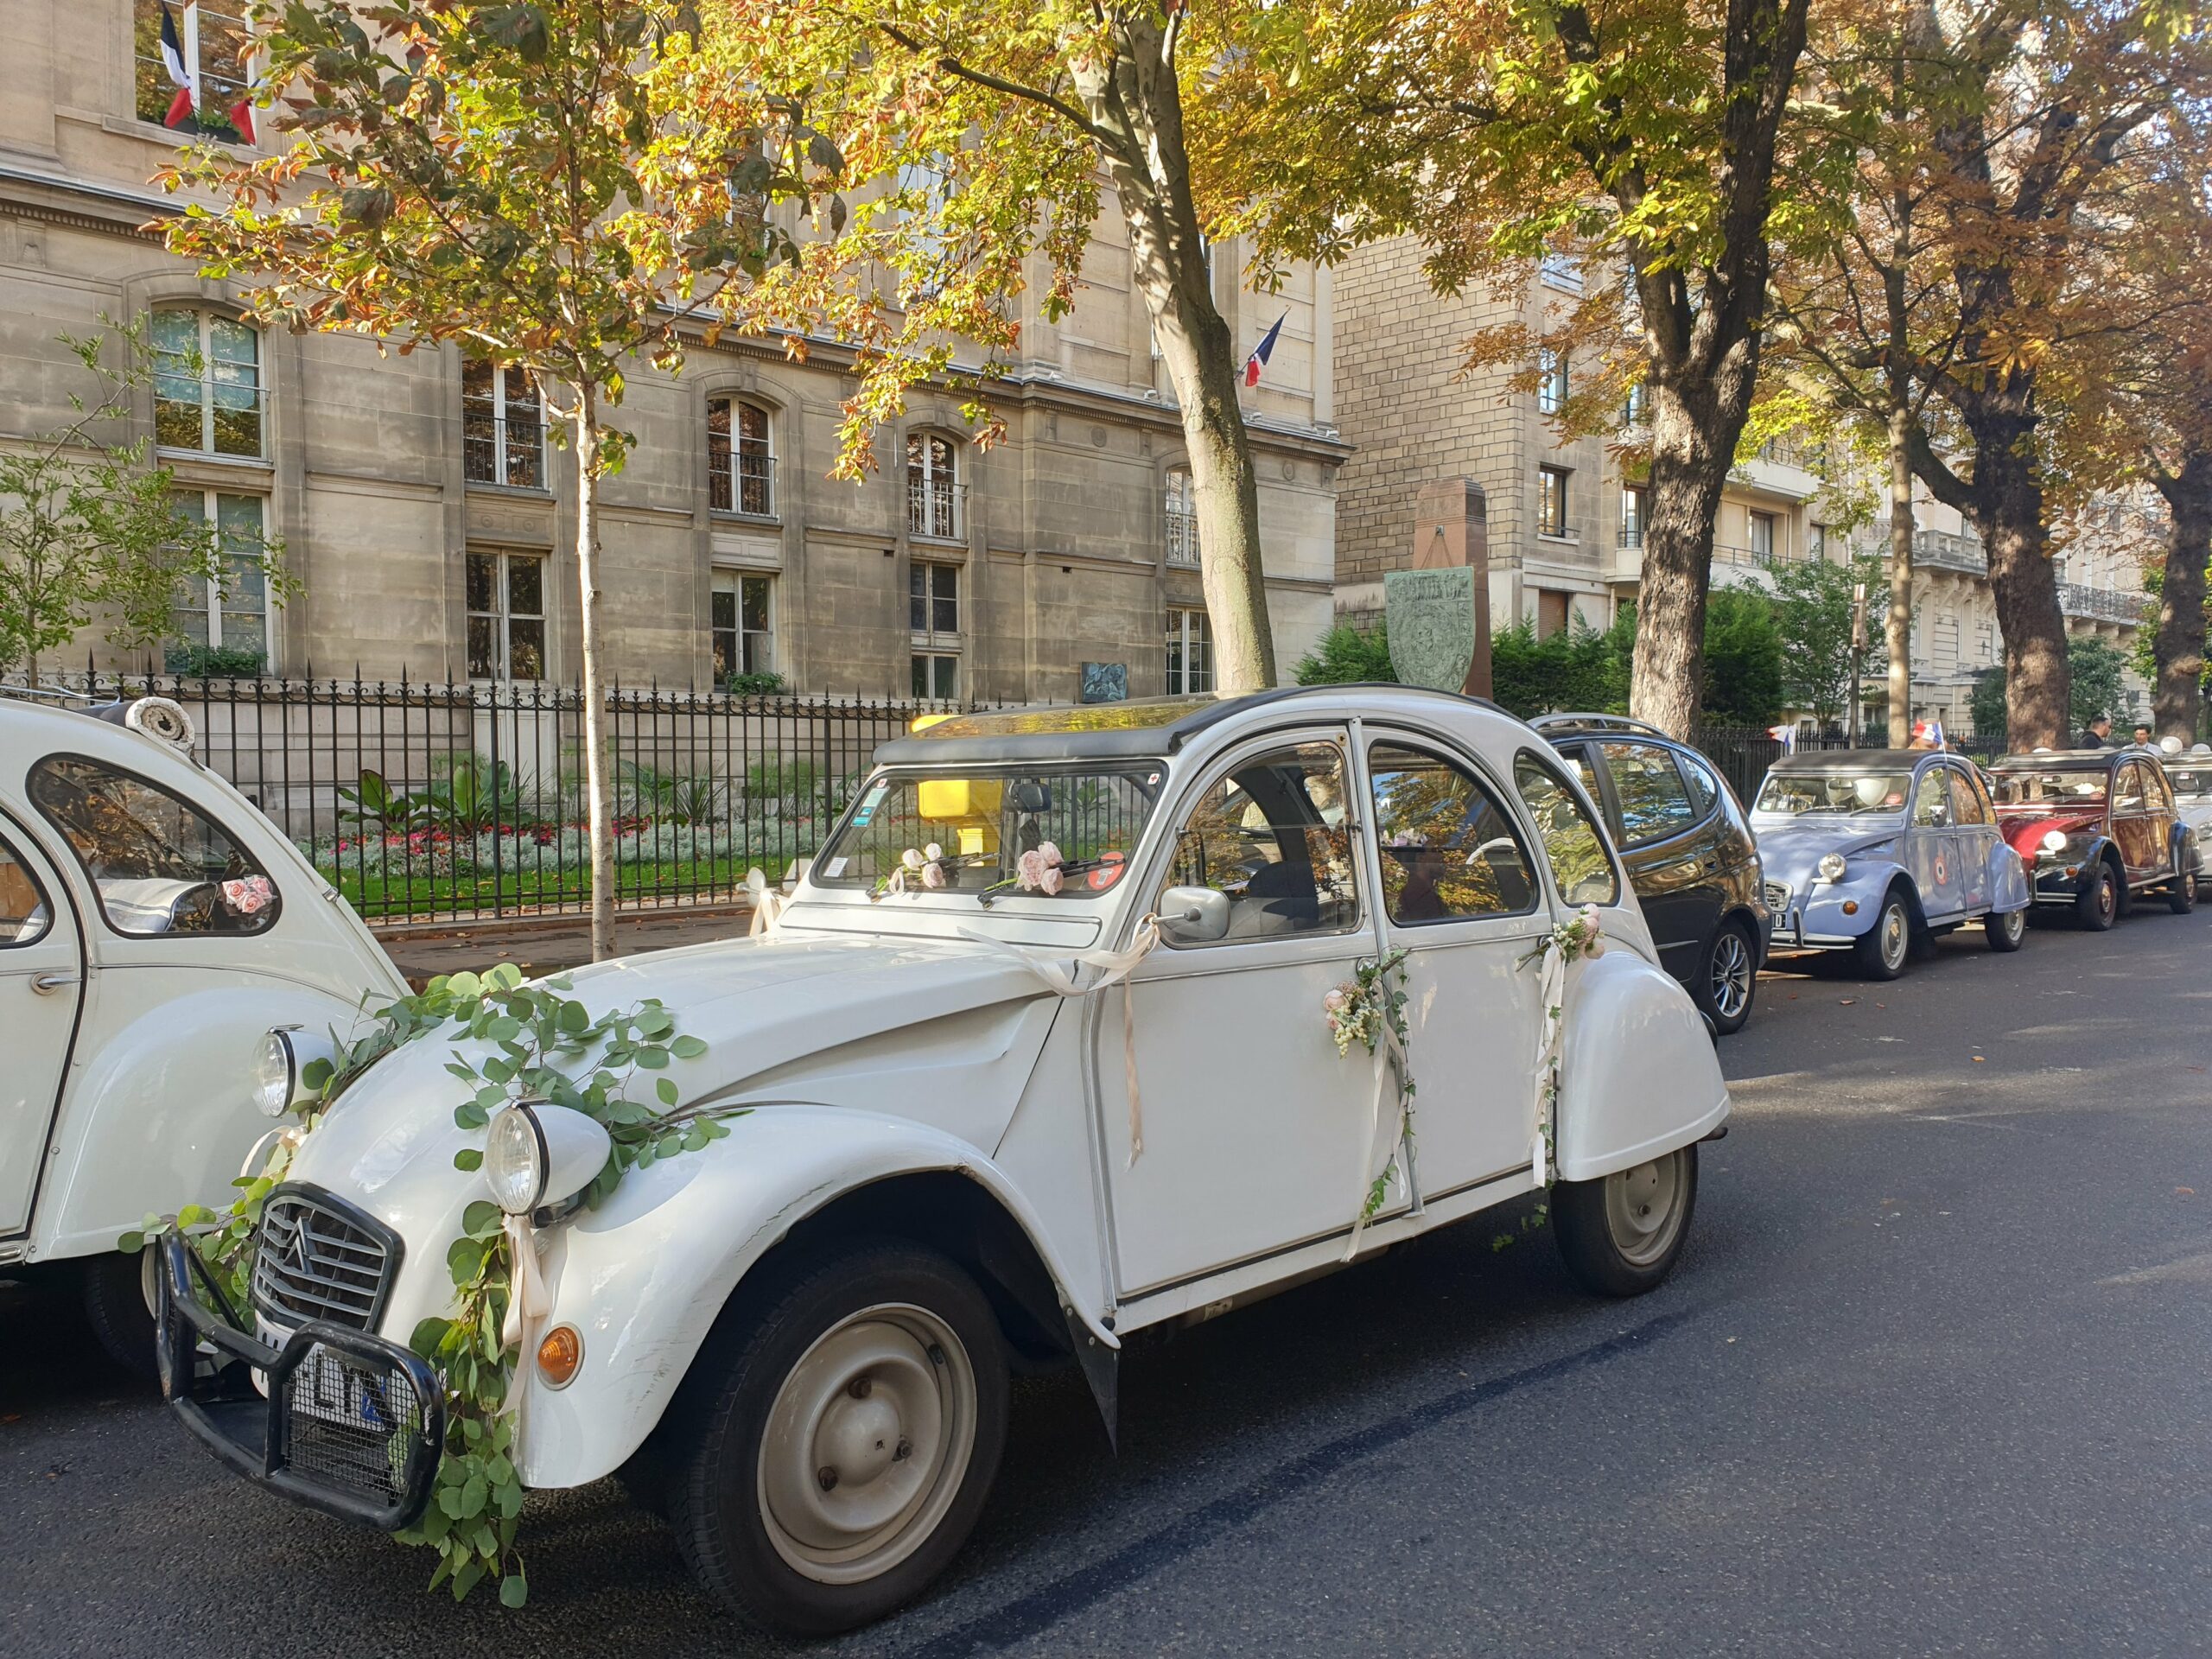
{"points": [[1580, 861], [158, 865], [1931, 800], [2127, 789], [1271, 835], [1447, 848], [24, 916], [1653, 803], [1966, 801], [1705, 788]]}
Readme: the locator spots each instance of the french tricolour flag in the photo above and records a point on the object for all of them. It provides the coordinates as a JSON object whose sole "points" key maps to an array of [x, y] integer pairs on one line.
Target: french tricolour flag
{"points": [[1263, 351], [1785, 735], [180, 58]]}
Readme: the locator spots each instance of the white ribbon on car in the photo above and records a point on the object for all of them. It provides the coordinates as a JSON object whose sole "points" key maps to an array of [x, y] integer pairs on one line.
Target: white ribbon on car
{"points": [[1060, 972], [529, 1300], [1389, 1054], [1551, 987], [767, 905]]}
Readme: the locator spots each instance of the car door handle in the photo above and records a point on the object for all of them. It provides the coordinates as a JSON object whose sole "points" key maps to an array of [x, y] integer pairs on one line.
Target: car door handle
{"points": [[47, 984]]}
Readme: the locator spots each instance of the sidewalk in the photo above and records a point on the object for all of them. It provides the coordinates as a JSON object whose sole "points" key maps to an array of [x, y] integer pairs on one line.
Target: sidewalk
{"points": [[551, 946]]}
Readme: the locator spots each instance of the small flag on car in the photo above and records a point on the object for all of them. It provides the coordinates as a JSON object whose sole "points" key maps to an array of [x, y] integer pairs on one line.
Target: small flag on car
{"points": [[1263, 351]]}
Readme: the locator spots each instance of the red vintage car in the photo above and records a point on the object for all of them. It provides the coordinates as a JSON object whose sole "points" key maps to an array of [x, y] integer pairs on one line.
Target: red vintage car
{"points": [[2097, 829]]}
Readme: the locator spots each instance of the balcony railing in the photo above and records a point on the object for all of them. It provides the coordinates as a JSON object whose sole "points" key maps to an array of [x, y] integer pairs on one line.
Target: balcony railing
{"points": [[742, 484], [2106, 604], [1631, 535], [933, 507], [1183, 537], [508, 451]]}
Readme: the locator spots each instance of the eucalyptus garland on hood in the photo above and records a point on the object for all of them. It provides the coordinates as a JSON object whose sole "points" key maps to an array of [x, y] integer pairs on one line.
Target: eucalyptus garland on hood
{"points": [[546, 1047]]}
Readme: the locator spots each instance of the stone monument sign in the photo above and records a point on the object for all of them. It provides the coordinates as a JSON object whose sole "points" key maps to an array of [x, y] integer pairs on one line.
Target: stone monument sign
{"points": [[1437, 612]]}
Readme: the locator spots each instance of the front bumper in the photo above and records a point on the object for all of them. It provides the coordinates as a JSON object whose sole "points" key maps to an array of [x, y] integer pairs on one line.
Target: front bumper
{"points": [[352, 1424], [1812, 918], [2054, 883]]}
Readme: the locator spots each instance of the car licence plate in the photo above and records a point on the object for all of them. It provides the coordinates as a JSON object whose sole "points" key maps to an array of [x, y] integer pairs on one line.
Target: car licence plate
{"points": [[326, 1387]]}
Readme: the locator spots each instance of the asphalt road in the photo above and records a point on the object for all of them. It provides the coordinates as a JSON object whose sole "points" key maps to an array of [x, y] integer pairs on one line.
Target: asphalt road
{"points": [[1935, 1375]]}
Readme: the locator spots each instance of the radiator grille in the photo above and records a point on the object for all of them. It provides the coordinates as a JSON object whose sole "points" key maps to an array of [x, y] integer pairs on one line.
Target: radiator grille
{"points": [[1778, 896], [314, 1261]]}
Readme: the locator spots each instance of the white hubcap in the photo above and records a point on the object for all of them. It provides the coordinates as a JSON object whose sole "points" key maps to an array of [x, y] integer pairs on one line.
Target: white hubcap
{"points": [[1643, 1208], [867, 1443]]}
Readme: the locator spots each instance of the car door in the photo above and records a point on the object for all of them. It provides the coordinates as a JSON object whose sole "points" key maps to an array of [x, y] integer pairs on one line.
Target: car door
{"points": [[1974, 833], [1463, 896], [42, 990], [1256, 1131], [2135, 829], [2159, 809], [1671, 856], [1931, 854]]}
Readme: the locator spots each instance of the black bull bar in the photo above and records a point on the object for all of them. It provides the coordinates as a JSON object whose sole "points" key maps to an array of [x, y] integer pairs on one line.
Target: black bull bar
{"points": [[352, 1424]]}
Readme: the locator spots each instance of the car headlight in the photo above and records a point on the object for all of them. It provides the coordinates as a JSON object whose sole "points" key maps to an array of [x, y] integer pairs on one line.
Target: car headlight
{"points": [[538, 1153], [276, 1073], [2054, 841], [1830, 868]]}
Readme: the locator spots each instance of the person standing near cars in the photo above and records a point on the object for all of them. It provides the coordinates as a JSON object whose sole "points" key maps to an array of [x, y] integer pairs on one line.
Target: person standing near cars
{"points": [[2099, 733], [2142, 735]]}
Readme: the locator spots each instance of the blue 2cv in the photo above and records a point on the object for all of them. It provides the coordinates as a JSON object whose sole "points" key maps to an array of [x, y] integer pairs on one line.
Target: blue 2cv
{"points": [[1876, 851]]}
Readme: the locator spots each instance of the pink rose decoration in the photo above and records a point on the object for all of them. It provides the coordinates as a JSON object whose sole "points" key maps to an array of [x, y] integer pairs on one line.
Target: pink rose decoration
{"points": [[1050, 881], [932, 874], [1334, 1001], [1049, 853], [911, 859], [248, 894], [1029, 869], [932, 852]]}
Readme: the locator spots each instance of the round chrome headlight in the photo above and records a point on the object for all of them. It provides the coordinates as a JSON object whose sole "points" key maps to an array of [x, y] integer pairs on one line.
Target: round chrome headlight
{"points": [[1830, 868], [2054, 841], [276, 1072], [514, 1160]]}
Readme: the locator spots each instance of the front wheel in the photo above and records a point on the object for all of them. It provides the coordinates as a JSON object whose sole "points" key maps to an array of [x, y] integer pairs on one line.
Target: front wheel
{"points": [[837, 1456], [2097, 906], [1621, 1233], [2182, 896], [119, 1306], [1882, 949], [2005, 930], [1728, 978]]}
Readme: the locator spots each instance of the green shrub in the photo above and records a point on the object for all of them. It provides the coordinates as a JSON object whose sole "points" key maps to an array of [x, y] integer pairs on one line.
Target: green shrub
{"points": [[754, 685], [1346, 656], [214, 662]]}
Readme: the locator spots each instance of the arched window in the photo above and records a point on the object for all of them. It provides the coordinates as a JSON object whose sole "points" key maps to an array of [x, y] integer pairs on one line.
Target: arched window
{"points": [[207, 384], [740, 465], [1181, 503], [933, 487]]}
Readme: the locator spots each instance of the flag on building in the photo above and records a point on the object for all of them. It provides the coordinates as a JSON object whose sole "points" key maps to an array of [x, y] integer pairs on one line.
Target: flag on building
{"points": [[183, 73], [1263, 351]]}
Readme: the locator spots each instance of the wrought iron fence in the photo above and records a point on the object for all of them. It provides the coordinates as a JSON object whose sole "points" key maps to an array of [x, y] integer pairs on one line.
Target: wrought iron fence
{"points": [[460, 801]]}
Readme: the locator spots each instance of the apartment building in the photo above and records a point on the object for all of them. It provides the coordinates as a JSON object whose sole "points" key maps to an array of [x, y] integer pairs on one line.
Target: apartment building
{"points": [[1566, 527], [427, 513]]}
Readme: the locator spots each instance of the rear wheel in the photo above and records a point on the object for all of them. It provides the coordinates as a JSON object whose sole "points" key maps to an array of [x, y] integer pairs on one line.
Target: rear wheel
{"points": [[2004, 929], [2182, 896], [1728, 978], [842, 1439], [1881, 950], [119, 1306], [2097, 906], [1621, 1233]]}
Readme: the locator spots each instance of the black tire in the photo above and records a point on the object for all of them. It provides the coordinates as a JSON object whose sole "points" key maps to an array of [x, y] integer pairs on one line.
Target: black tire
{"points": [[1591, 1217], [1727, 977], [798, 1330], [2097, 906], [2181, 898], [117, 1308], [2004, 930], [1883, 949]]}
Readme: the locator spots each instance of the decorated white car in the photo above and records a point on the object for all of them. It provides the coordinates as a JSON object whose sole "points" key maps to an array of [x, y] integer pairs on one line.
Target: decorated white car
{"points": [[1084, 1022], [154, 928]]}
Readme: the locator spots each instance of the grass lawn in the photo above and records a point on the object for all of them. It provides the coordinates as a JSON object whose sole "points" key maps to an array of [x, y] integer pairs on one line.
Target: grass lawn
{"points": [[380, 897]]}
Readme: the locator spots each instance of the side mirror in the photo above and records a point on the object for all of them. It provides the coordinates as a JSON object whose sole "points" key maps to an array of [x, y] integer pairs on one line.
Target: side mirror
{"points": [[1194, 915]]}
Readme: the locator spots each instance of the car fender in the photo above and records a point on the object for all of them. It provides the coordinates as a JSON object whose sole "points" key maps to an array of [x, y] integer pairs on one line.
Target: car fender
{"points": [[1867, 881], [2182, 844], [158, 1115], [644, 1278], [1637, 1071], [2008, 878]]}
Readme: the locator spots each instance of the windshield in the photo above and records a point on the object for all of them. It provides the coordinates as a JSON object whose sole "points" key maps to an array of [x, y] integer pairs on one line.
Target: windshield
{"points": [[983, 820], [1796, 793], [2191, 783], [2050, 786]]}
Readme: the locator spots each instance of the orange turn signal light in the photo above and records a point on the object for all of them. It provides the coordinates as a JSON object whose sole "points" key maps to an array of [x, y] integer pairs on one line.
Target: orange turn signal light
{"points": [[1851, 906], [559, 1355]]}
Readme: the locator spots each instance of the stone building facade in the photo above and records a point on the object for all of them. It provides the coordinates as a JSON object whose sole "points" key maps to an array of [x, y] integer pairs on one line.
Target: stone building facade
{"points": [[1566, 527], [428, 516]]}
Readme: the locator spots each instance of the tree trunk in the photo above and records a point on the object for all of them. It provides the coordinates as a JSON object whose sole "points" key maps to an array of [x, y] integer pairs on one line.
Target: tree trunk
{"points": [[1897, 627], [2177, 646], [595, 694], [1136, 104], [1689, 464], [2007, 512]]}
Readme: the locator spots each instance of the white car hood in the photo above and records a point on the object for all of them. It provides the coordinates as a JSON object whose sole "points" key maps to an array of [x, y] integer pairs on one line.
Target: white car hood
{"points": [[946, 1031]]}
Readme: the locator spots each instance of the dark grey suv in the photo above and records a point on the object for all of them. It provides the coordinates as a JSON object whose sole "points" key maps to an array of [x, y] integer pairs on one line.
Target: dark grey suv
{"points": [[1689, 849]]}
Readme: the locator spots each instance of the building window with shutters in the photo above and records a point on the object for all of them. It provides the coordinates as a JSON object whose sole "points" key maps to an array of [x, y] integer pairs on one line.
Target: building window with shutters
{"points": [[740, 466], [741, 626], [1190, 653], [502, 426], [507, 616], [933, 628], [208, 391]]}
